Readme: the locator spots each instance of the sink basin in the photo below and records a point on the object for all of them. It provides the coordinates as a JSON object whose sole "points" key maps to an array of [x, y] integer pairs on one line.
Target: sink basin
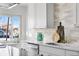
{"points": [[58, 44], [51, 43]]}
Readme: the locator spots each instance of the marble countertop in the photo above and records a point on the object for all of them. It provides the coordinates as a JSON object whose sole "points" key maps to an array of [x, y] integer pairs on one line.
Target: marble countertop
{"points": [[72, 47]]}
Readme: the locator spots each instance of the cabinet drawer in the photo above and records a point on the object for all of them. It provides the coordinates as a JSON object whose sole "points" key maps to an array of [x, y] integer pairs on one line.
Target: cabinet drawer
{"points": [[72, 53], [52, 50], [46, 54]]}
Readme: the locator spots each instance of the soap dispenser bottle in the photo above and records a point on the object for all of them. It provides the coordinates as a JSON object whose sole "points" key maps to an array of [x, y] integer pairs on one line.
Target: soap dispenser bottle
{"points": [[60, 31]]}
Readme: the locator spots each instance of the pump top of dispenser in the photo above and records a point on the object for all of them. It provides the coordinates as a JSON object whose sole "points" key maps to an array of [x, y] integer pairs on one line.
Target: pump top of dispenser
{"points": [[60, 24], [60, 31]]}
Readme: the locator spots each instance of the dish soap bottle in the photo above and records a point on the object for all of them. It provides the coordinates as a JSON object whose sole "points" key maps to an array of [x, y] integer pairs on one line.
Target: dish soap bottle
{"points": [[39, 36]]}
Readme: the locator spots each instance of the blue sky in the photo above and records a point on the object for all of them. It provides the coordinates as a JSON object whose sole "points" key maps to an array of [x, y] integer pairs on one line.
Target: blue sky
{"points": [[15, 20]]}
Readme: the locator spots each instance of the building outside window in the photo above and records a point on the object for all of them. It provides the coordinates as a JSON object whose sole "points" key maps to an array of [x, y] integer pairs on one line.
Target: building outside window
{"points": [[13, 31]]}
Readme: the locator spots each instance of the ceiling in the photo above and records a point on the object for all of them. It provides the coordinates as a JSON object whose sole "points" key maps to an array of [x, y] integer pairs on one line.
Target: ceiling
{"points": [[23, 4], [11, 5]]}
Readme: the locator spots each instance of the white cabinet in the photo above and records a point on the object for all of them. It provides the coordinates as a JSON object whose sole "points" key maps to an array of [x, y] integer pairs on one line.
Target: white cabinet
{"points": [[32, 49], [40, 15], [51, 51], [44, 17], [77, 14], [50, 15], [72, 53], [56, 51], [42, 53]]}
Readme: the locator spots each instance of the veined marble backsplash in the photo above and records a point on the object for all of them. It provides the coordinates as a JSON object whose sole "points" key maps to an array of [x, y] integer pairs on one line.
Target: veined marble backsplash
{"points": [[71, 35], [48, 33]]}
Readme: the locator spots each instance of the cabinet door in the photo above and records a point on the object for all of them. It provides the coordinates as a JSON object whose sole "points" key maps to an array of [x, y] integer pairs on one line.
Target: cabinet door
{"points": [[50, 15], [40, 15], [53, 50], [72, 53], [77, 14], [42, 53], [44, 15]]}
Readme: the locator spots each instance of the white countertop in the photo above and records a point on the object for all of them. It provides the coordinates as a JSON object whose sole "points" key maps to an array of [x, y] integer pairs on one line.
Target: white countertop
{"points": [[72, 47]]}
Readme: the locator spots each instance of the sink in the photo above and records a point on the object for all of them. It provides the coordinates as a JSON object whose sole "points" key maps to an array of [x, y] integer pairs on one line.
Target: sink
{"points": [[58, 44], [51, 43]]}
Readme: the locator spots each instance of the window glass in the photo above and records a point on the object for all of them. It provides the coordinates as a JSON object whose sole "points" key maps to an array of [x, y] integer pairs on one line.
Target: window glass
{"points": [[16, 26], [13, 29], [3, 26]]}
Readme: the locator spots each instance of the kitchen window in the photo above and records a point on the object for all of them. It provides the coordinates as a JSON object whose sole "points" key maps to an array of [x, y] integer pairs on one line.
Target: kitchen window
{"points": [[9, 28]]}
